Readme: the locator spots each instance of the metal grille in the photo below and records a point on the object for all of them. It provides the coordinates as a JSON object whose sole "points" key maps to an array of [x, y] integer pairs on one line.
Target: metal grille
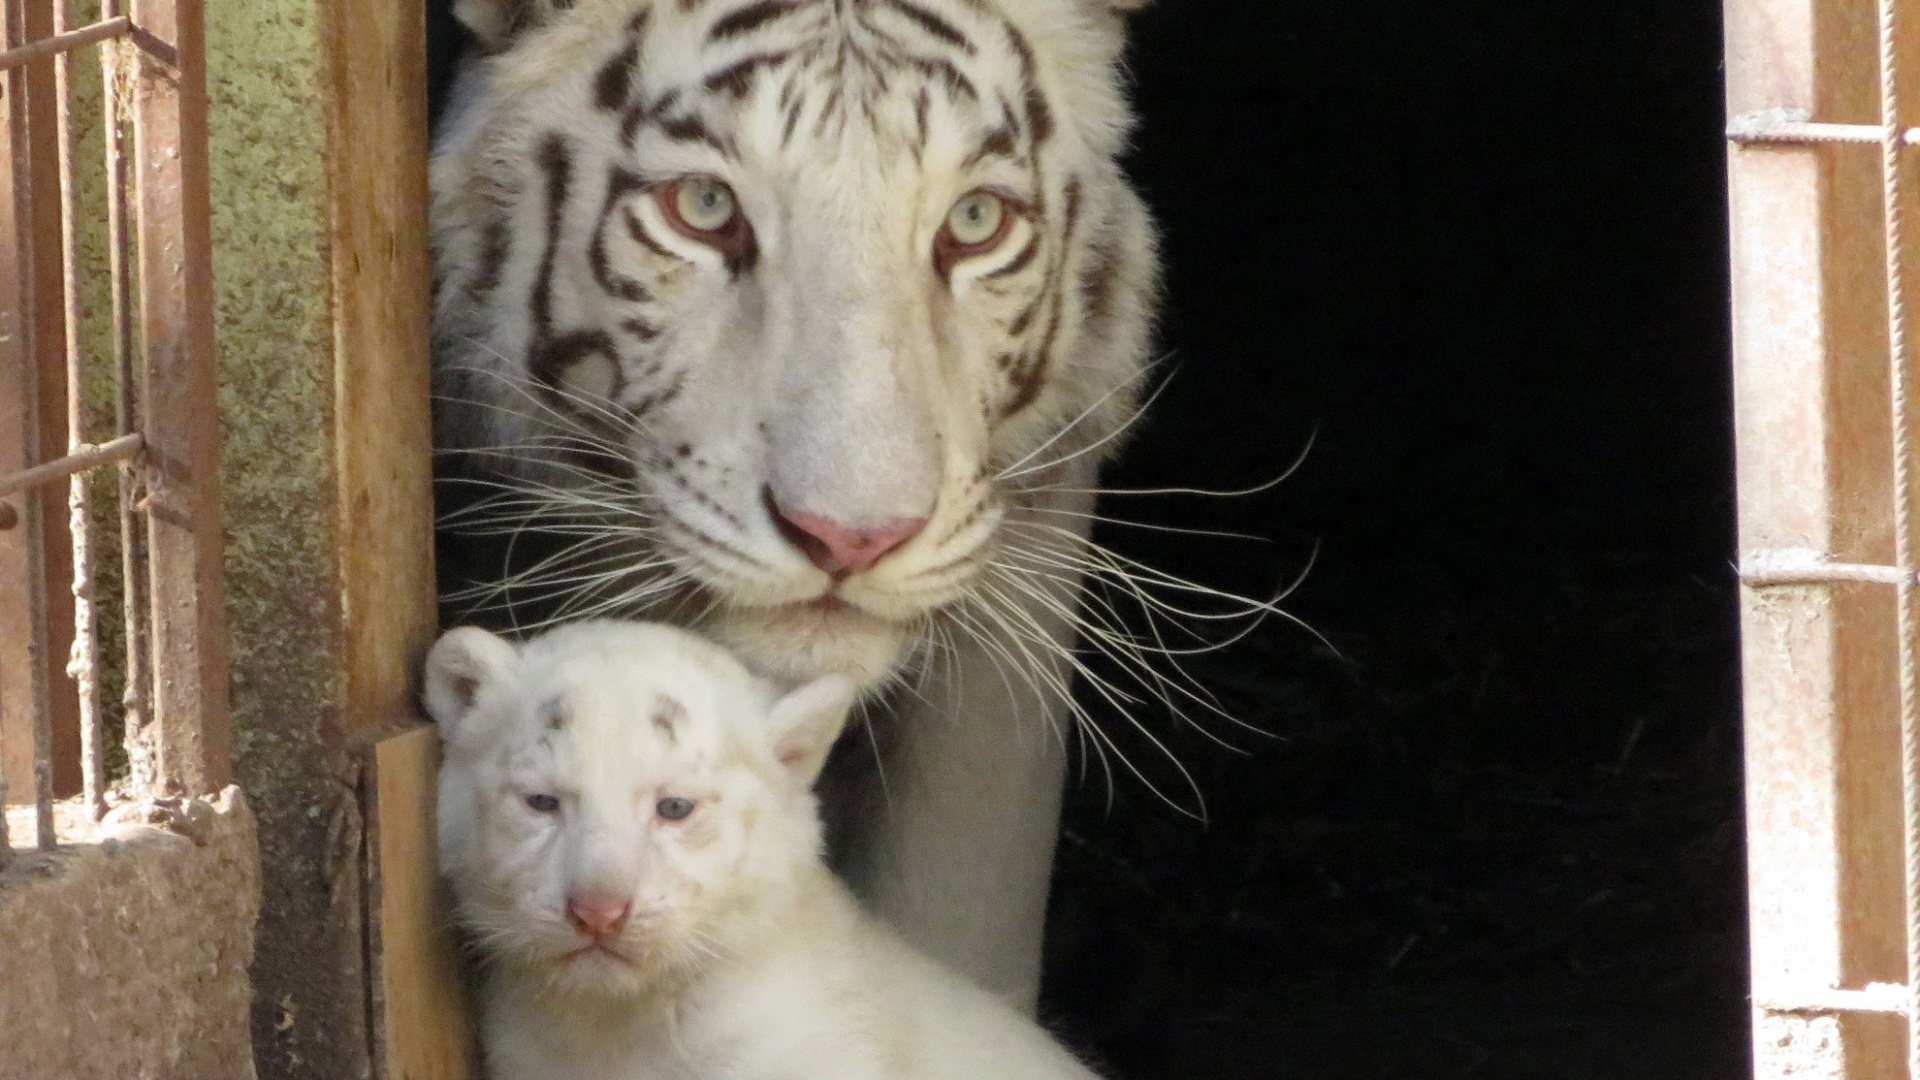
{"points": [[165, 437]]}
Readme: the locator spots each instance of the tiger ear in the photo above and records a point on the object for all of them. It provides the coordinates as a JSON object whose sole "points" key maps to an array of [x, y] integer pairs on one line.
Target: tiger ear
{"points": [[459, 666], [1123, 7], [806, 722], [497, 22]]}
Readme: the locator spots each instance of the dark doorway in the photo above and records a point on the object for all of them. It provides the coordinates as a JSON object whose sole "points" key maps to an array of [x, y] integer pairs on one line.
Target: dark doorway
{"points": [[1475, 252]]}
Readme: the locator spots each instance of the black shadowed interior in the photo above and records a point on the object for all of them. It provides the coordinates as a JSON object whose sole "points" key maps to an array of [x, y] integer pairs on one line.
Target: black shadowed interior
{"points": [[1469, 257], [1474, 253]]}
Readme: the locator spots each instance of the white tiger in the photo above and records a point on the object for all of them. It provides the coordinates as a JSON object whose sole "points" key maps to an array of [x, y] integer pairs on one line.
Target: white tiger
{"points": [[626, 820], [808, 322]]}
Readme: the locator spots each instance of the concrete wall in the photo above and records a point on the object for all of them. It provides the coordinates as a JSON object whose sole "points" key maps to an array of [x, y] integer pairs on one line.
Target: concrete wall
{"points": [[273, 267], [127, 958]]}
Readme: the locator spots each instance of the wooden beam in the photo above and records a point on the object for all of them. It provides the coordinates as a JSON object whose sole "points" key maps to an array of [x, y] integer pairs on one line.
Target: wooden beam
{"points": [[377, 138], [422, 1027], [377, 134]]}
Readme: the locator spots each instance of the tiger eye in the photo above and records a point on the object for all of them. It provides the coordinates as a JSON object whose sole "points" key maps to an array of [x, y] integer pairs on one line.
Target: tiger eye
{"points": [[674, 808], [976, 219], [704, 204]]}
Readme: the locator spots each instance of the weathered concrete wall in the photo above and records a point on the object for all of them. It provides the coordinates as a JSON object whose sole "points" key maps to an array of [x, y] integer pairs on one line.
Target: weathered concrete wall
{"points": [[273, 269], [128, 957]]}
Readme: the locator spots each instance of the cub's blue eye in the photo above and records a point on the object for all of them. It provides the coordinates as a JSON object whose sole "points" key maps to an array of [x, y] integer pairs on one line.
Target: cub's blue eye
{"points": [[545, 804], [674, 808]]}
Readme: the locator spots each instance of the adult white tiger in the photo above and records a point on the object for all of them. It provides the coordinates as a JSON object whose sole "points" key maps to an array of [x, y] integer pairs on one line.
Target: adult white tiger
{"points": [[809, 321]]}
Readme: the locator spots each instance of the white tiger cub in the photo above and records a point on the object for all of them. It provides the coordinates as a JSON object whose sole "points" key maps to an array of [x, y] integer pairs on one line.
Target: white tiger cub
{"points": [[808, 322], [627, 820]]}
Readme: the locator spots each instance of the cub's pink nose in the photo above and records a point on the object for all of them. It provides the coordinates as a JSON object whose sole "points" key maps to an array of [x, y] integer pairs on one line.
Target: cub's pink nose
{"points": [[598, 916], [836, 548]]}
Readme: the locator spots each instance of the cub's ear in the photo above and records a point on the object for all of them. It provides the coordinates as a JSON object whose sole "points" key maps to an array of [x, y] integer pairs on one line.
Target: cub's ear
{"points": [[497, 22], [807, 721], [1124, 7], [460, 663]]}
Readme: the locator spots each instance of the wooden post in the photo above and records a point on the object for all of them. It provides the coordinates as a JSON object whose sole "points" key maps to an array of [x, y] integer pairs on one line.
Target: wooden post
{"points": [[421, 1019], [377, 135]]}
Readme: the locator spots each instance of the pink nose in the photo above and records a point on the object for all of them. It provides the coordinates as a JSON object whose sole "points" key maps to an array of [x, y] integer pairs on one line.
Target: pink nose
{"points": [[598, 916], [837, 549]]}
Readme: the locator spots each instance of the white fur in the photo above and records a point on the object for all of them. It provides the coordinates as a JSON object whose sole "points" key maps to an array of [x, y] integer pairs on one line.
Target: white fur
{"points": [[746, 959], [841, 376]]}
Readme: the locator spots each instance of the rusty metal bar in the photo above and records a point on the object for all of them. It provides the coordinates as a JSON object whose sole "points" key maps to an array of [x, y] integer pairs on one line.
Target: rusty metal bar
{"points": [[137, 694], [191, 746], [16, 405], [62, 43], [38, 550], [81, 459], [83, 659]]}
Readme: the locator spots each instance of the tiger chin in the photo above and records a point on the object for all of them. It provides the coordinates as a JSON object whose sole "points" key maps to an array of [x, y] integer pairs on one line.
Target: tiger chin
{"points": [[806, 323]]}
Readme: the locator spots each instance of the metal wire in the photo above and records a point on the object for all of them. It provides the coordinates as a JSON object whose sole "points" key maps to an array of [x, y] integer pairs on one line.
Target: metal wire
{"points": [[1893, 186]]}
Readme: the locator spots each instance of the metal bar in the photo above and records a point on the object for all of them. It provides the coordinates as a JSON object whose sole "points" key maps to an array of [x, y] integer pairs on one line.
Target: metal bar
{"points": [[1872, 998], [83, 659], [16, 753], [82, 458], [58, 44], [37, 554], [50, 353], [117, 75], [54, 730], [192, 747], [1893, 189], [1796, 127], [1776, 569]]}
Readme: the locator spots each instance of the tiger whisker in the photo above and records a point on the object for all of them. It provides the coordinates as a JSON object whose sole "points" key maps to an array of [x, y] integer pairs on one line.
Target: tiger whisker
{"points": [[1016, 470]]}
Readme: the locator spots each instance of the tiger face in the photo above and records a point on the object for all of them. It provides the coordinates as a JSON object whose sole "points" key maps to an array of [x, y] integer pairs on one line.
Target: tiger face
{"points": [[780, 311]]}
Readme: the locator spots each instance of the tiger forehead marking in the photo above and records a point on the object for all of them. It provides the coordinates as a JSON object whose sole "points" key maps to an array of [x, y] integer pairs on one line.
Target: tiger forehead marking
{"points": [[804, 303]]}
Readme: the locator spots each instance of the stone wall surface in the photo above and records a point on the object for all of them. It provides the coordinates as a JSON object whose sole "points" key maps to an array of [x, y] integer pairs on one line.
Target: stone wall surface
{"points": [[273, 267], [126, 958]]}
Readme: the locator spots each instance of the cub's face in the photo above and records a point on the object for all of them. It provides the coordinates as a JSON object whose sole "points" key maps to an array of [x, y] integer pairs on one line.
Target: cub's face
{"points": [[801, 300], [615, 798]]}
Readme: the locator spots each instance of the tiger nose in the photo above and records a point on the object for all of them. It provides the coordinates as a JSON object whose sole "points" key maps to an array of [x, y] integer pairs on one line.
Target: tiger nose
{"points": [[598, 916], [839, 549]]}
